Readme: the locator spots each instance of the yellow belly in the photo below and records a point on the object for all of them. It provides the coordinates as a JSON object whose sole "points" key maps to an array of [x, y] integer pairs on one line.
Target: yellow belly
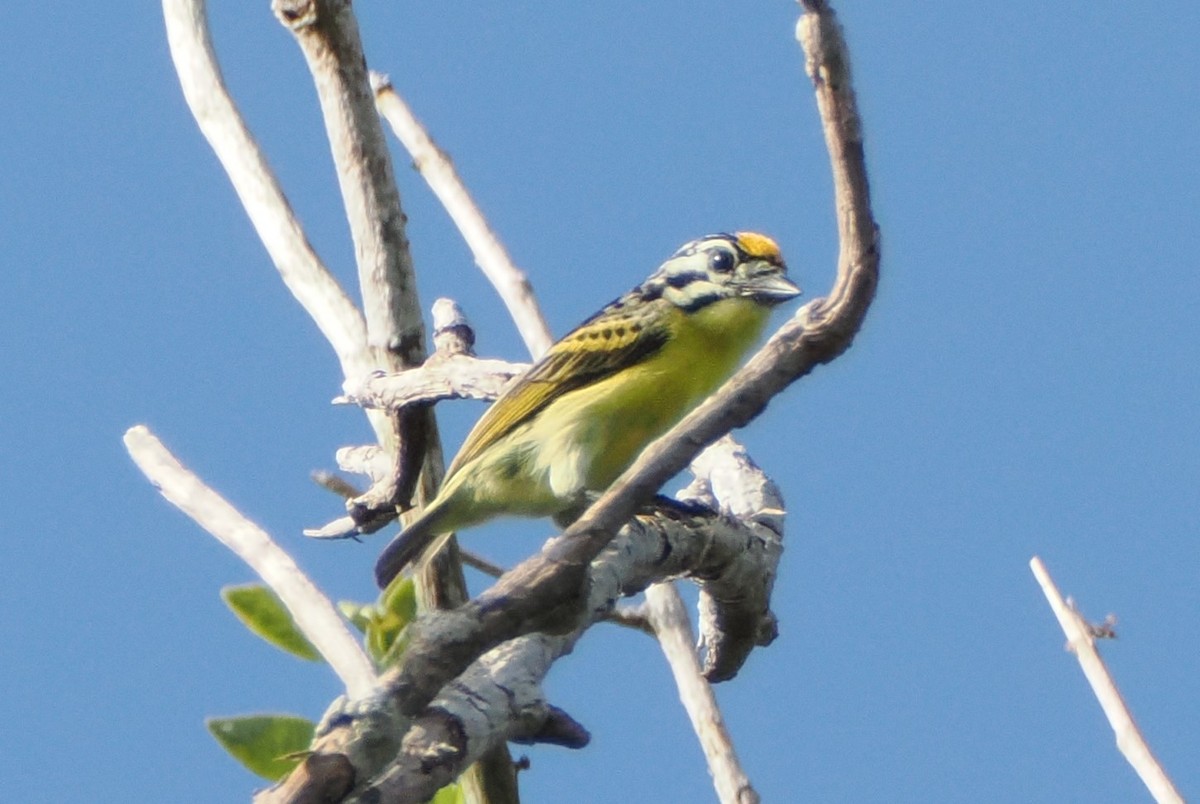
{"points": [[585, 439], [592, 435]]}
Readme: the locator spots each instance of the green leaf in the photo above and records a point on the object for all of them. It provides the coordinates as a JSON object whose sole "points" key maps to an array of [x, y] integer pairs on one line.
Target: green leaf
{"points": [[392, 653], [375, 640], [450, 794], [359, 614], [387, 621], [264, 614], [269, 745], [400, 599]]}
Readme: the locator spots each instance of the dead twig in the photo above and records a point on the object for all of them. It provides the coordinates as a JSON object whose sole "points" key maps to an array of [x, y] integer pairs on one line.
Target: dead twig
{"points": [[1081, 640]]}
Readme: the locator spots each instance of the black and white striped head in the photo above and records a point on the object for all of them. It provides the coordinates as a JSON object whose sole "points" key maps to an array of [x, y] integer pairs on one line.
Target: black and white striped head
{"points": [[722, 266]]}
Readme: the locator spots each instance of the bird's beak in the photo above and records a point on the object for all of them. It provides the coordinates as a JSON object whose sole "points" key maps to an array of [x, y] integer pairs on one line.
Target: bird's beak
{"points": [[771, 289]]}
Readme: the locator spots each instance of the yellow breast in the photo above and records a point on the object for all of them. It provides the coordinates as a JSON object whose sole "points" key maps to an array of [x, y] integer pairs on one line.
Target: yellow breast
{"points": [[591, 435]]}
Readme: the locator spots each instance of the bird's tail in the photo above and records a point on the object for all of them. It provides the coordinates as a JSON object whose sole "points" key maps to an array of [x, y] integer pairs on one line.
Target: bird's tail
{"points": [[409, 546]]}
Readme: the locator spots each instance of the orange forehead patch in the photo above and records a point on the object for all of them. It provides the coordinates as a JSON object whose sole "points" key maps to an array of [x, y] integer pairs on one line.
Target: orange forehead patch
{"points": [[759, 245]]}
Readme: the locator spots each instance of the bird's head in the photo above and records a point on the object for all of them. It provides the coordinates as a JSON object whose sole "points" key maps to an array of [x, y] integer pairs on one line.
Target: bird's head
{"points": [[722, 266]]}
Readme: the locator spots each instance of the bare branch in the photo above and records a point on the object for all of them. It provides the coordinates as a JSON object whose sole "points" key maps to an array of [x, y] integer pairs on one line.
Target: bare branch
{"points": [[314, 614], [452, 332], [327, 33], [827, 63], [456, 377], [631, 616], [452, 372], [366, 459], [677, 541], [302, 271], [652, 547], [376, 506], [335, 483], [391, 334], [490, 255], [674, 633], [1081, 641], [481, 564], [498, 699], [735, 598]]}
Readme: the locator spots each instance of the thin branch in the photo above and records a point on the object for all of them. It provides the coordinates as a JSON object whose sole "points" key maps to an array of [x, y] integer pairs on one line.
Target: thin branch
{"points": [[670, 622], [314, 614], [336, 484], [490, 255], [827, 62], [478, 562], [302, 271], [455, 377], [281, 233], [633, 617], [327, 33], [1081, 642]]}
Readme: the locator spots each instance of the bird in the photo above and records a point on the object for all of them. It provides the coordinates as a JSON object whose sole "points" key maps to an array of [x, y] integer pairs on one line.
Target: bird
{"points": [[570, 425]]}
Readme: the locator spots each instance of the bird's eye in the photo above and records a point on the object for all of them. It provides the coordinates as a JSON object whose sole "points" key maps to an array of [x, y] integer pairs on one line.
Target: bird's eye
{"points": [[720, 260]]}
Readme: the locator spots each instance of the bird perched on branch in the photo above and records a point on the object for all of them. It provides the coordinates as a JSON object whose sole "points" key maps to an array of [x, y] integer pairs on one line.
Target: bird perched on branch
{"points": [[583, 412]]}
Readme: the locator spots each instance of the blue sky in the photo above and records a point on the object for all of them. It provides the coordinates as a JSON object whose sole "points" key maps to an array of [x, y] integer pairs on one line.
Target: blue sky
{"points": [[1027, 381]]}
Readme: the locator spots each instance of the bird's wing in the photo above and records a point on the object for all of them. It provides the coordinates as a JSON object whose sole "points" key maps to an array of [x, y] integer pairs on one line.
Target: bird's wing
{"points": [[612, 340]]}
